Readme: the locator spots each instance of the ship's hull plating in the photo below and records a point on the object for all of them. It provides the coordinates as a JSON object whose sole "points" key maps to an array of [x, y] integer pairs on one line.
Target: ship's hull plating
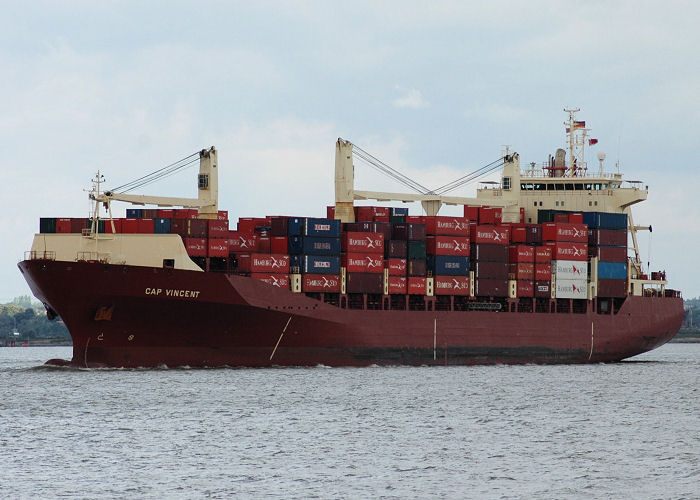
{"points": [[136, 316]]}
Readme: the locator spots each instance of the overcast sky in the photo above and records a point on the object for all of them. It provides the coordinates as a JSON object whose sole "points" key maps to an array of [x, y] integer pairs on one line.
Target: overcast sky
{"points": [[435, 89]]}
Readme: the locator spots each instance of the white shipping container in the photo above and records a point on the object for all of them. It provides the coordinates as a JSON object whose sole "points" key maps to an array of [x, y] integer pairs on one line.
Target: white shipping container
{"points": [[570, 269], [570, 289]]}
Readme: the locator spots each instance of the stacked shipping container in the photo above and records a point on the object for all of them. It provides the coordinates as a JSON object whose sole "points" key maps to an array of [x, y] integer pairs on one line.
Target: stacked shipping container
{"points": [[389, 252]]}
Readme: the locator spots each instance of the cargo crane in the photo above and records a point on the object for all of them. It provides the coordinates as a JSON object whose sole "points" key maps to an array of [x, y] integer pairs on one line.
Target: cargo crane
{"points": [[207, 189]]}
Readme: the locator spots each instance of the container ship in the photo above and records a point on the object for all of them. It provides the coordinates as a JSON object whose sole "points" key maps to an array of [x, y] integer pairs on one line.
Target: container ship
{"points": [[541, 267]]}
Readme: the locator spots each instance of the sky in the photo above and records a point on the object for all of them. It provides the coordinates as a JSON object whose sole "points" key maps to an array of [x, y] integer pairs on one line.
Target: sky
{"points": [[434, 89]]}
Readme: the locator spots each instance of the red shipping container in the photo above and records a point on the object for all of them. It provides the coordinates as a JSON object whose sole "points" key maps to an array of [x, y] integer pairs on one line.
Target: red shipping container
{"points": [[543, 288], [63, 225], [490, 215], [371, 213], [117, 226], [268, 263], [518, 234], [278, 244], [561, 218], [522, 215], [525, 288], [490, 288], [222, 215], [77, 225], [396, 267], [607, 237], [576, 218], [543, 271], [415, 219], [543, 254], [397, 285], [362, 262], [566, 250], [186, 213], [397, 249], [320, 283], [146, 226], [471, 213], [278, 280], [499, 235], [522, 253], [451, 285], [130, 226], [563, 231], [416, 267], [166, 213], [364, 283], [330, 212], [189, 228], [248, 224], [612, 288], [610, 254], [417, 286], [523, 270], [264, 244], [239, 242], [447, 245], [196, 247], [362, 243], [446, 226], [488, 252], [217, 228], [218, 247], [491, 270]]}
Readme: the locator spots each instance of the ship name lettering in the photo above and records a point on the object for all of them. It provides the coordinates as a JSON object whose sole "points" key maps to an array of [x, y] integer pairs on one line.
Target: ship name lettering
{"points": [[153, 291], [182, 293]]}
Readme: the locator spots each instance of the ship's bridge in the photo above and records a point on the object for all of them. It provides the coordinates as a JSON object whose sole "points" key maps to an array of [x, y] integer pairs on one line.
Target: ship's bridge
{"points": [[562, 188]]}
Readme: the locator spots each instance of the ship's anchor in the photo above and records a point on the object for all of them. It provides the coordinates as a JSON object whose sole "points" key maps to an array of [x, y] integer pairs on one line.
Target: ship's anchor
{"points": [[280, 339]]}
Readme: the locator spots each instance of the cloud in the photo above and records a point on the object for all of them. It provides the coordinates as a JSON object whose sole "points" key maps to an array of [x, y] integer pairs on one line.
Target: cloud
{"points": [[411, 98]]}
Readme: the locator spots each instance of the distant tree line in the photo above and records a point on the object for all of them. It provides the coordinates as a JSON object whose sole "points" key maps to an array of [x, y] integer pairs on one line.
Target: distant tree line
{"points": [[691, 318], [29, 319]]}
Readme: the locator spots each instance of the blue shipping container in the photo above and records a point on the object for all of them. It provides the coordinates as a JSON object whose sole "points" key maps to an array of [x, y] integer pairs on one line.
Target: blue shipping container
{"points": [[321, 246], [398, 211], [295, 225], [448, 265], [326, 228], [295, 245], [612, 270], [605, 220], [317, 264], [161, 226], [134, 213]]}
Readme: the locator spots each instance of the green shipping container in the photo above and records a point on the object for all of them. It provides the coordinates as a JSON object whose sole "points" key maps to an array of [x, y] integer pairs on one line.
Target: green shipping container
{"points": [[416, 249]]}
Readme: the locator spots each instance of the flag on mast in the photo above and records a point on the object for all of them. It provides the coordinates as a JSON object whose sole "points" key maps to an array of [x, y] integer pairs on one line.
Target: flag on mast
{"points": [[578, 125], [591, 142]]}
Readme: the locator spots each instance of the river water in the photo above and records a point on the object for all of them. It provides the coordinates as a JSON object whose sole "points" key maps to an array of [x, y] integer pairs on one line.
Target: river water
{"points": [[625, 430]]}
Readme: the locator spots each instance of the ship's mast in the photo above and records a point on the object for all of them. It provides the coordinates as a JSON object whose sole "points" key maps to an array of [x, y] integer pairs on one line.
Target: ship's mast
{"points": [[94, 193], [577, 132]]}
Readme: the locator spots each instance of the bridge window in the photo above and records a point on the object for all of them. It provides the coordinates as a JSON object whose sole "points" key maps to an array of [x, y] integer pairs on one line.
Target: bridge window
{"points": [[589, 186], [569, 186], [578, 187], [550, 187], [506, 183], [203, 181], [540, 187], [559, 186]]}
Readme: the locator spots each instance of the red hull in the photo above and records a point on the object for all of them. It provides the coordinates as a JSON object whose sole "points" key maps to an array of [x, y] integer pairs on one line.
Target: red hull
{"points": [[136, 316]]}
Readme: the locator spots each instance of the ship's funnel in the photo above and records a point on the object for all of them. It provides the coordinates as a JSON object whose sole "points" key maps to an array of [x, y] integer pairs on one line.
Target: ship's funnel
{"points": [[559, 163]]}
